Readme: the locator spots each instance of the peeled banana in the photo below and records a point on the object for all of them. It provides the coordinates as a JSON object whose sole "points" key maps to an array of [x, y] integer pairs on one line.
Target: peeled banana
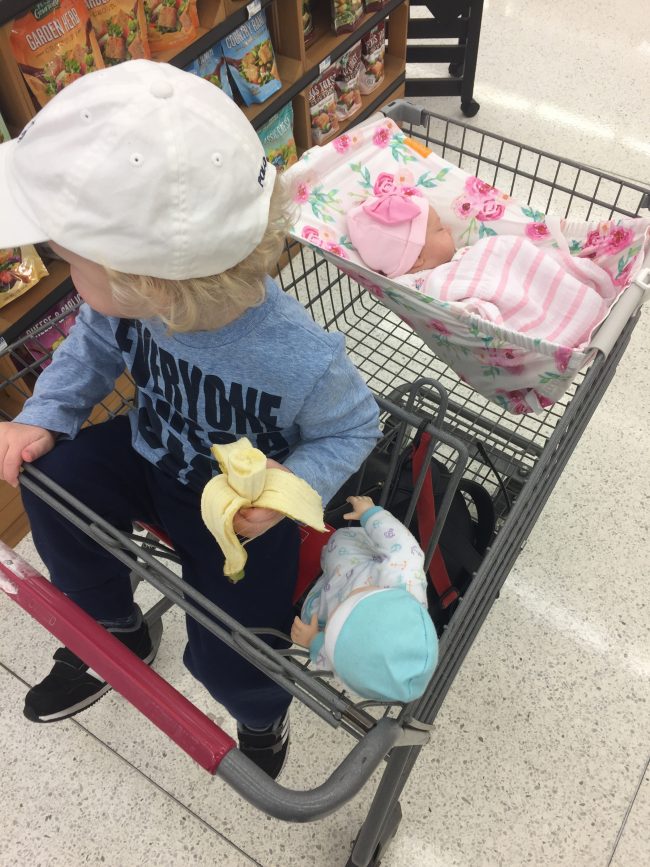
{"points": [[245, 481]]}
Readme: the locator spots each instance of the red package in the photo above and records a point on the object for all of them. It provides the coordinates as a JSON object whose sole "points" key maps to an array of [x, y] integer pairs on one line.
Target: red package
{"points": [[373, 47], [322, 106], [348, 96], [49, 335], [346, 15]]}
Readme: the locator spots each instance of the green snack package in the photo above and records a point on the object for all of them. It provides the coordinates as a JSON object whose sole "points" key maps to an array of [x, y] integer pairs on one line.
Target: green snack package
{"points": [[251, 60], [277, 137]]}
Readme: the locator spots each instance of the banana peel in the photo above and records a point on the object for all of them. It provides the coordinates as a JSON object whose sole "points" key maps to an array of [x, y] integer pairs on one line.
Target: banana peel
{"points": [[245, 481]]}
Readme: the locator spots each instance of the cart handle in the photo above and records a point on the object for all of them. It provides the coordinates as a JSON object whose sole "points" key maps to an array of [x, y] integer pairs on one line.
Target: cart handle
{"points": [[624, 308], [178, 718]]}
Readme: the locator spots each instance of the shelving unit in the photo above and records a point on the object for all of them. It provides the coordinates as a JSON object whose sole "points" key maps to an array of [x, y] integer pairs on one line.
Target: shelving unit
{"points": [[298, 68], [448, 19]]}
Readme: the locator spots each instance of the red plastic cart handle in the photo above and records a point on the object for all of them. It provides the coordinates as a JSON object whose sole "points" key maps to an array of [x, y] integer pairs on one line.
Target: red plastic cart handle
{"points": [[192, 730], [184, 723]]}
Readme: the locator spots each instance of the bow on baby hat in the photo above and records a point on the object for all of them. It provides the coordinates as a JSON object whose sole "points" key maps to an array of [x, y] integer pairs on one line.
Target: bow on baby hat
{"points": [[388, 231], [391, 208]]}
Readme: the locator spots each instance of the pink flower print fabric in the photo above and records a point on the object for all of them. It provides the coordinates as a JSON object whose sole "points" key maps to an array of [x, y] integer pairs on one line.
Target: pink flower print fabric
{"points": [[480, 203], [537, 231], [383, 135]]}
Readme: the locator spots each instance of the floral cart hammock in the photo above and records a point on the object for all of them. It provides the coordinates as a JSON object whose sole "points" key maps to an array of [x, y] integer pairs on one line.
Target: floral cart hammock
{"points": [[522, 372]]}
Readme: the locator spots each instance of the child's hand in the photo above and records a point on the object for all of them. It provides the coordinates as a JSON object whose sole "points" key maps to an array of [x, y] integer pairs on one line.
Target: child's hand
{"points": [[303, 634], [21, 442], [253, 522], [360, 506]]}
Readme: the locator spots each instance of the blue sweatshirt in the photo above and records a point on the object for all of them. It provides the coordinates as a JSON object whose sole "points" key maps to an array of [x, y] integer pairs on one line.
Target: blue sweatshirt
{"points": [[272, 375]]}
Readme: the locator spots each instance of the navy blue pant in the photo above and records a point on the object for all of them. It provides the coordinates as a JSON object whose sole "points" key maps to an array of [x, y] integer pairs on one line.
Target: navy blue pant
{"points": [[100, 468]]}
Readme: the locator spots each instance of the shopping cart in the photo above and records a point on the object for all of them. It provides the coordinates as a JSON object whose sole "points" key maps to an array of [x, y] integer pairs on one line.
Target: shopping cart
{"points": [[517, 458]]}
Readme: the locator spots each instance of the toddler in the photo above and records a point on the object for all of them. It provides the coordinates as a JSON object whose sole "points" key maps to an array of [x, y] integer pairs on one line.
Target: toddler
{"points": [[152, 184], [366, 617]]}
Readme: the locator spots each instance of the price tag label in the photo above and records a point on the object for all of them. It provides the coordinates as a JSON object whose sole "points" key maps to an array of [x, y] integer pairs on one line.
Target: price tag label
{"points": [[324, 64], [254, 7]]}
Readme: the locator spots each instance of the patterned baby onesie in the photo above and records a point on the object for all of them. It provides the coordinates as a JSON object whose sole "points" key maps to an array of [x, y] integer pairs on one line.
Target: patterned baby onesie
{"points": [[379, 553]]}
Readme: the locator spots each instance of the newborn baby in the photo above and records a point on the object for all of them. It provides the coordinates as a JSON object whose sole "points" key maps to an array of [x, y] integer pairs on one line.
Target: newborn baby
{"points": [[399, 234], [546, 294]]}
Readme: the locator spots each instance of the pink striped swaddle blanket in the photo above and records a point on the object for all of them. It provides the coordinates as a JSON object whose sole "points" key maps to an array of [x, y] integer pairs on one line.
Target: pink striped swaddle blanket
{"points": [[543, 293]]}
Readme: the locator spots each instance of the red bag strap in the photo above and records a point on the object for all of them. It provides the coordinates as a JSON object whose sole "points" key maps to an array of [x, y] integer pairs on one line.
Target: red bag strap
{"points": [[426, 514], [311, 545]]}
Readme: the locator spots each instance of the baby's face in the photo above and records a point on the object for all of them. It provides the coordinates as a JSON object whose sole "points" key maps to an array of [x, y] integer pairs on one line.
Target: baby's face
{"points": [[438, 247]]}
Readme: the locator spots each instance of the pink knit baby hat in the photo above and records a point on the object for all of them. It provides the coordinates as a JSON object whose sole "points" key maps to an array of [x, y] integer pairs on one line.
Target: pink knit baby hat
{"points": [[389, 231]]}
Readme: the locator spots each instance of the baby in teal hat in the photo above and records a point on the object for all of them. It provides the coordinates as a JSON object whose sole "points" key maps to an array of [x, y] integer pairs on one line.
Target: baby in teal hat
{"points": [[366, 617]]}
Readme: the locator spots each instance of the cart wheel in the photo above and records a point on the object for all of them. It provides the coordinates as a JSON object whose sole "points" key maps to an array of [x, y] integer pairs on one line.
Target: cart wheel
{"points": [[456, 69], [389, 831], [469, 108]]}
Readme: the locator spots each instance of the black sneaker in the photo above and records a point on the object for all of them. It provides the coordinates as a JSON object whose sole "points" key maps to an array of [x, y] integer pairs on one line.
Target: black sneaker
{"points": [[268, 749], [71, 687]]}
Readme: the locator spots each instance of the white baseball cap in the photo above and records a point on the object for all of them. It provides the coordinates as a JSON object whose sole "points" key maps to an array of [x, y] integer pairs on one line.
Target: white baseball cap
{"points": [[142, 168]]}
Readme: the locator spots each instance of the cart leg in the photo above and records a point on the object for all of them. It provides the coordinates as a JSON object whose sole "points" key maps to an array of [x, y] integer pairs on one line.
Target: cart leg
{"points": [[468, 105], [153, 617], [385, 812]]}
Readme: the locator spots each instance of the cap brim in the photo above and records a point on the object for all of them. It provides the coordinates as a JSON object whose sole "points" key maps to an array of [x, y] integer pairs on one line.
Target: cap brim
{"points": [[17, 227]]}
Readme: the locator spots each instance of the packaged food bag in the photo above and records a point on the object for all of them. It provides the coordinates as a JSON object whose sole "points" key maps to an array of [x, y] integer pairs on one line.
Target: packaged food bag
{"points": [[373, 48], [211, 65], [346, 15], [348, 96], [54, 44], [121, 29], [20, 269], [307, 23], [4, 132], [322, 106], [171, 24], [251, 60], [277, 137], [49, 335]]}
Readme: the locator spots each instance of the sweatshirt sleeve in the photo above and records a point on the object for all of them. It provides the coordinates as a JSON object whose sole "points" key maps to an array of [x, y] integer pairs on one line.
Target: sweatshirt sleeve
{"points": [[83, 371], [339, 426]]}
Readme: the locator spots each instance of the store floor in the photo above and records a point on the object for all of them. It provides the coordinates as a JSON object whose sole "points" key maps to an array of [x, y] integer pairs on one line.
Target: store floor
{"points": [[540, 753]]}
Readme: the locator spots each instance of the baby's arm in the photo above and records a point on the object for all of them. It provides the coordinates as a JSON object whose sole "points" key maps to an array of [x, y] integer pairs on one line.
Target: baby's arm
{"points": [[392, 539], [303, 633], [338, 427], [312, 637]]}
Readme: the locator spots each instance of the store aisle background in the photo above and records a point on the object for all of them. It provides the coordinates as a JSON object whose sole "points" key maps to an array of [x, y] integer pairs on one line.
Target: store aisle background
{"points": [[540, 753]]}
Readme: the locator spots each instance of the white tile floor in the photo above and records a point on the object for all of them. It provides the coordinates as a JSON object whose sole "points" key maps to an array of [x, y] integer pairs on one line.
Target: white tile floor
{"points": [[540, 754]]}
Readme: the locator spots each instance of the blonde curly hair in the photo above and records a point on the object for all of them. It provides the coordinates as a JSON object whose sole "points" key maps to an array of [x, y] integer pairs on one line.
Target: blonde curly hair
{"points": [[203, 303]]}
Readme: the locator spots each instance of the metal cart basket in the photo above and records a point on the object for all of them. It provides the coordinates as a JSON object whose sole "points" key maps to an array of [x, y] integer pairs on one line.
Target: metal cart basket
{"points": [[517, 458]]}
